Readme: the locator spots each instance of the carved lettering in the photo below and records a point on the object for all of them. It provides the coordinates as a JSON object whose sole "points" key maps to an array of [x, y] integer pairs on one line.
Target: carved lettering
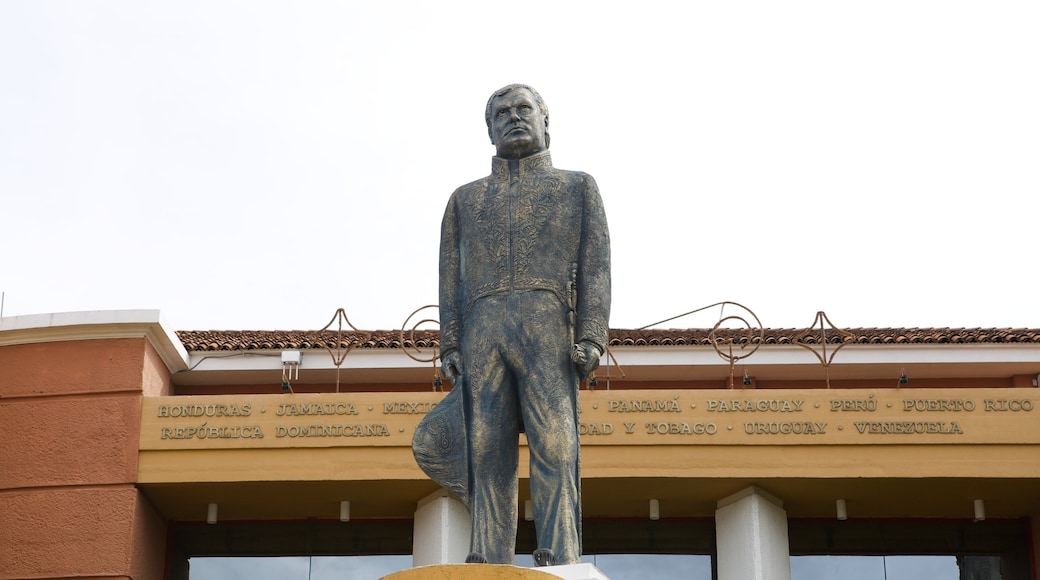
{"points": [[206, 432], [683, 428], [908, 427], [211, 410], [757, 406], [938, 405], [785, 428], [297, 409], [853, 405], [1013, 405], [408, 408], [595, 429], [364, 430], [645, 406]]}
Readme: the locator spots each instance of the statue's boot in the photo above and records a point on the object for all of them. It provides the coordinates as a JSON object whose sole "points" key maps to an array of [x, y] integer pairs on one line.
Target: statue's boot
{"points": [[544, 557]]}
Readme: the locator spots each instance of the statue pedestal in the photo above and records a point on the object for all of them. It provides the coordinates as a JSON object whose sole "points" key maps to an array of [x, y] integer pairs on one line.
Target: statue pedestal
{"points": [[576, 572], [498, 572]]}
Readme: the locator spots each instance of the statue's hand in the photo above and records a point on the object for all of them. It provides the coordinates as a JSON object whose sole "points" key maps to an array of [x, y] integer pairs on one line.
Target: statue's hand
{"points": [[451, 367], [585, 356]]}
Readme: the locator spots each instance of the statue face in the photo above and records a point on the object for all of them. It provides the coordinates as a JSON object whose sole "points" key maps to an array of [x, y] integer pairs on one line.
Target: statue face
{"points": [[517, 125]]}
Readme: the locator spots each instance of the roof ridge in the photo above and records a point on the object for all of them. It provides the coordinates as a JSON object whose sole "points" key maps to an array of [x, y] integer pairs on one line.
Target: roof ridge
{"points": [[231, 340]]}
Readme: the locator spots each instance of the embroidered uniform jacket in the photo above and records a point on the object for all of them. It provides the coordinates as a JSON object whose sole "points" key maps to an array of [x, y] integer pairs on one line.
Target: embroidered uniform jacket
{"points": [[527, 226]]}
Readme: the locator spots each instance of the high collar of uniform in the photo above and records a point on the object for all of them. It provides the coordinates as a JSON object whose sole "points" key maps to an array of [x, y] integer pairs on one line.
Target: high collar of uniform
{"points": [[526, 165]]}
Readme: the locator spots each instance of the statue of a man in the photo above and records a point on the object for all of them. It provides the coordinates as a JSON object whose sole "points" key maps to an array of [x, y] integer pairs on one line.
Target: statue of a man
{"points": [[524, 307]]}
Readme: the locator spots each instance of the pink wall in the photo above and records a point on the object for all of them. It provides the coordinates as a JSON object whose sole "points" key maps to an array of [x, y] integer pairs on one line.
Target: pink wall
{"points": [[70, 416]]}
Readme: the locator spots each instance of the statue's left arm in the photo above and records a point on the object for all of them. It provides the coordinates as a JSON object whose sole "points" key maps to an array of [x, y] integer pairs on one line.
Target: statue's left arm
{"points": [[592, 283], [450, 294]]}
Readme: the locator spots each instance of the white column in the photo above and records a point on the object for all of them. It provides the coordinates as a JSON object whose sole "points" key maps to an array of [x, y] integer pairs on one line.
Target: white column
{"points": [[751, 536], [441, 531]]}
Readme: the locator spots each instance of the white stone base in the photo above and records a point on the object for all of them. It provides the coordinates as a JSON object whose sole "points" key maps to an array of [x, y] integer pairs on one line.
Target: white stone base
{"points": [[441, 531], [575, 572], [497, 572]]}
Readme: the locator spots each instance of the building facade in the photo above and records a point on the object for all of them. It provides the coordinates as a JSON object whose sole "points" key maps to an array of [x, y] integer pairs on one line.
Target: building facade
{"points": [[130, 449]]}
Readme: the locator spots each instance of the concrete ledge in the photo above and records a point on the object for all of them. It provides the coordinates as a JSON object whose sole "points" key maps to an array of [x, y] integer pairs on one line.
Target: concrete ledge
{"points": [[498, 572], [577, 572], [65, 326], [470, 572]]}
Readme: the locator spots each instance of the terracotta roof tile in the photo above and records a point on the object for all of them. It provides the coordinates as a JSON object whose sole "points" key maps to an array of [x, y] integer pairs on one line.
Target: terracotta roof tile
{"points": [[216, 340], [227, 340]]}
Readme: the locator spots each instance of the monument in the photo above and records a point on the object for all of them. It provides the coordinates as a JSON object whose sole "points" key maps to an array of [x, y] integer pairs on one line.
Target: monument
{"points": [[524, 308]]}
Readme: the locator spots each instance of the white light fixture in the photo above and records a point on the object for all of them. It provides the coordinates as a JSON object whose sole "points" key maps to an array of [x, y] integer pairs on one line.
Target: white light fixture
{"points": [[290, 369], [344, 511], [842, 509], [980, 510], [655, 509], [528, 511], [211, 514]]}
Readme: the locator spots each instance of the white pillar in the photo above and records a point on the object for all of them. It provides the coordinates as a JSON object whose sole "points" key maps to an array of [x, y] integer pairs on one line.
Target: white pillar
{"points": [[751, 536], [441, 531]]}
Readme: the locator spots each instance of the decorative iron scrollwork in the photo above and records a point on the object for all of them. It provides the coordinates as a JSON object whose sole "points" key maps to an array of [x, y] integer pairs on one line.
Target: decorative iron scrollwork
{"points": [[342, 347], [410, 345], [822, 322]]}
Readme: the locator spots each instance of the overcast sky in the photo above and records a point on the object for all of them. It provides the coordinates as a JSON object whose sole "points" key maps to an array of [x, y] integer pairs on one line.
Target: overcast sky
{"points": [[257, 165]]}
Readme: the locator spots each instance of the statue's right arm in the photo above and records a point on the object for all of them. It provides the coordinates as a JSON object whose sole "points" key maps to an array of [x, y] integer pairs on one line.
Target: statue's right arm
{"points": [[450, 294]]}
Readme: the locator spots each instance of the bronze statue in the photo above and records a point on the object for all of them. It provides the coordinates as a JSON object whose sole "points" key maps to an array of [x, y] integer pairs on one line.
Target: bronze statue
{"points": [[524, 307]]}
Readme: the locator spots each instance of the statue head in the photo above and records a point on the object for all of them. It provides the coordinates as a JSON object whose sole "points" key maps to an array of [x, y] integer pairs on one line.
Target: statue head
{"points": [[518, 121]]}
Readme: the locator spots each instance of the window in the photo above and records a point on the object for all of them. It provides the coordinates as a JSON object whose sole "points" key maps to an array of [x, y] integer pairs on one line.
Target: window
{"points": [[914, 549]]}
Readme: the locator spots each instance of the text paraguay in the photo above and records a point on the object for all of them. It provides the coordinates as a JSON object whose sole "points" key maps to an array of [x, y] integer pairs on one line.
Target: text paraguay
{"points": [[761, 406]]}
